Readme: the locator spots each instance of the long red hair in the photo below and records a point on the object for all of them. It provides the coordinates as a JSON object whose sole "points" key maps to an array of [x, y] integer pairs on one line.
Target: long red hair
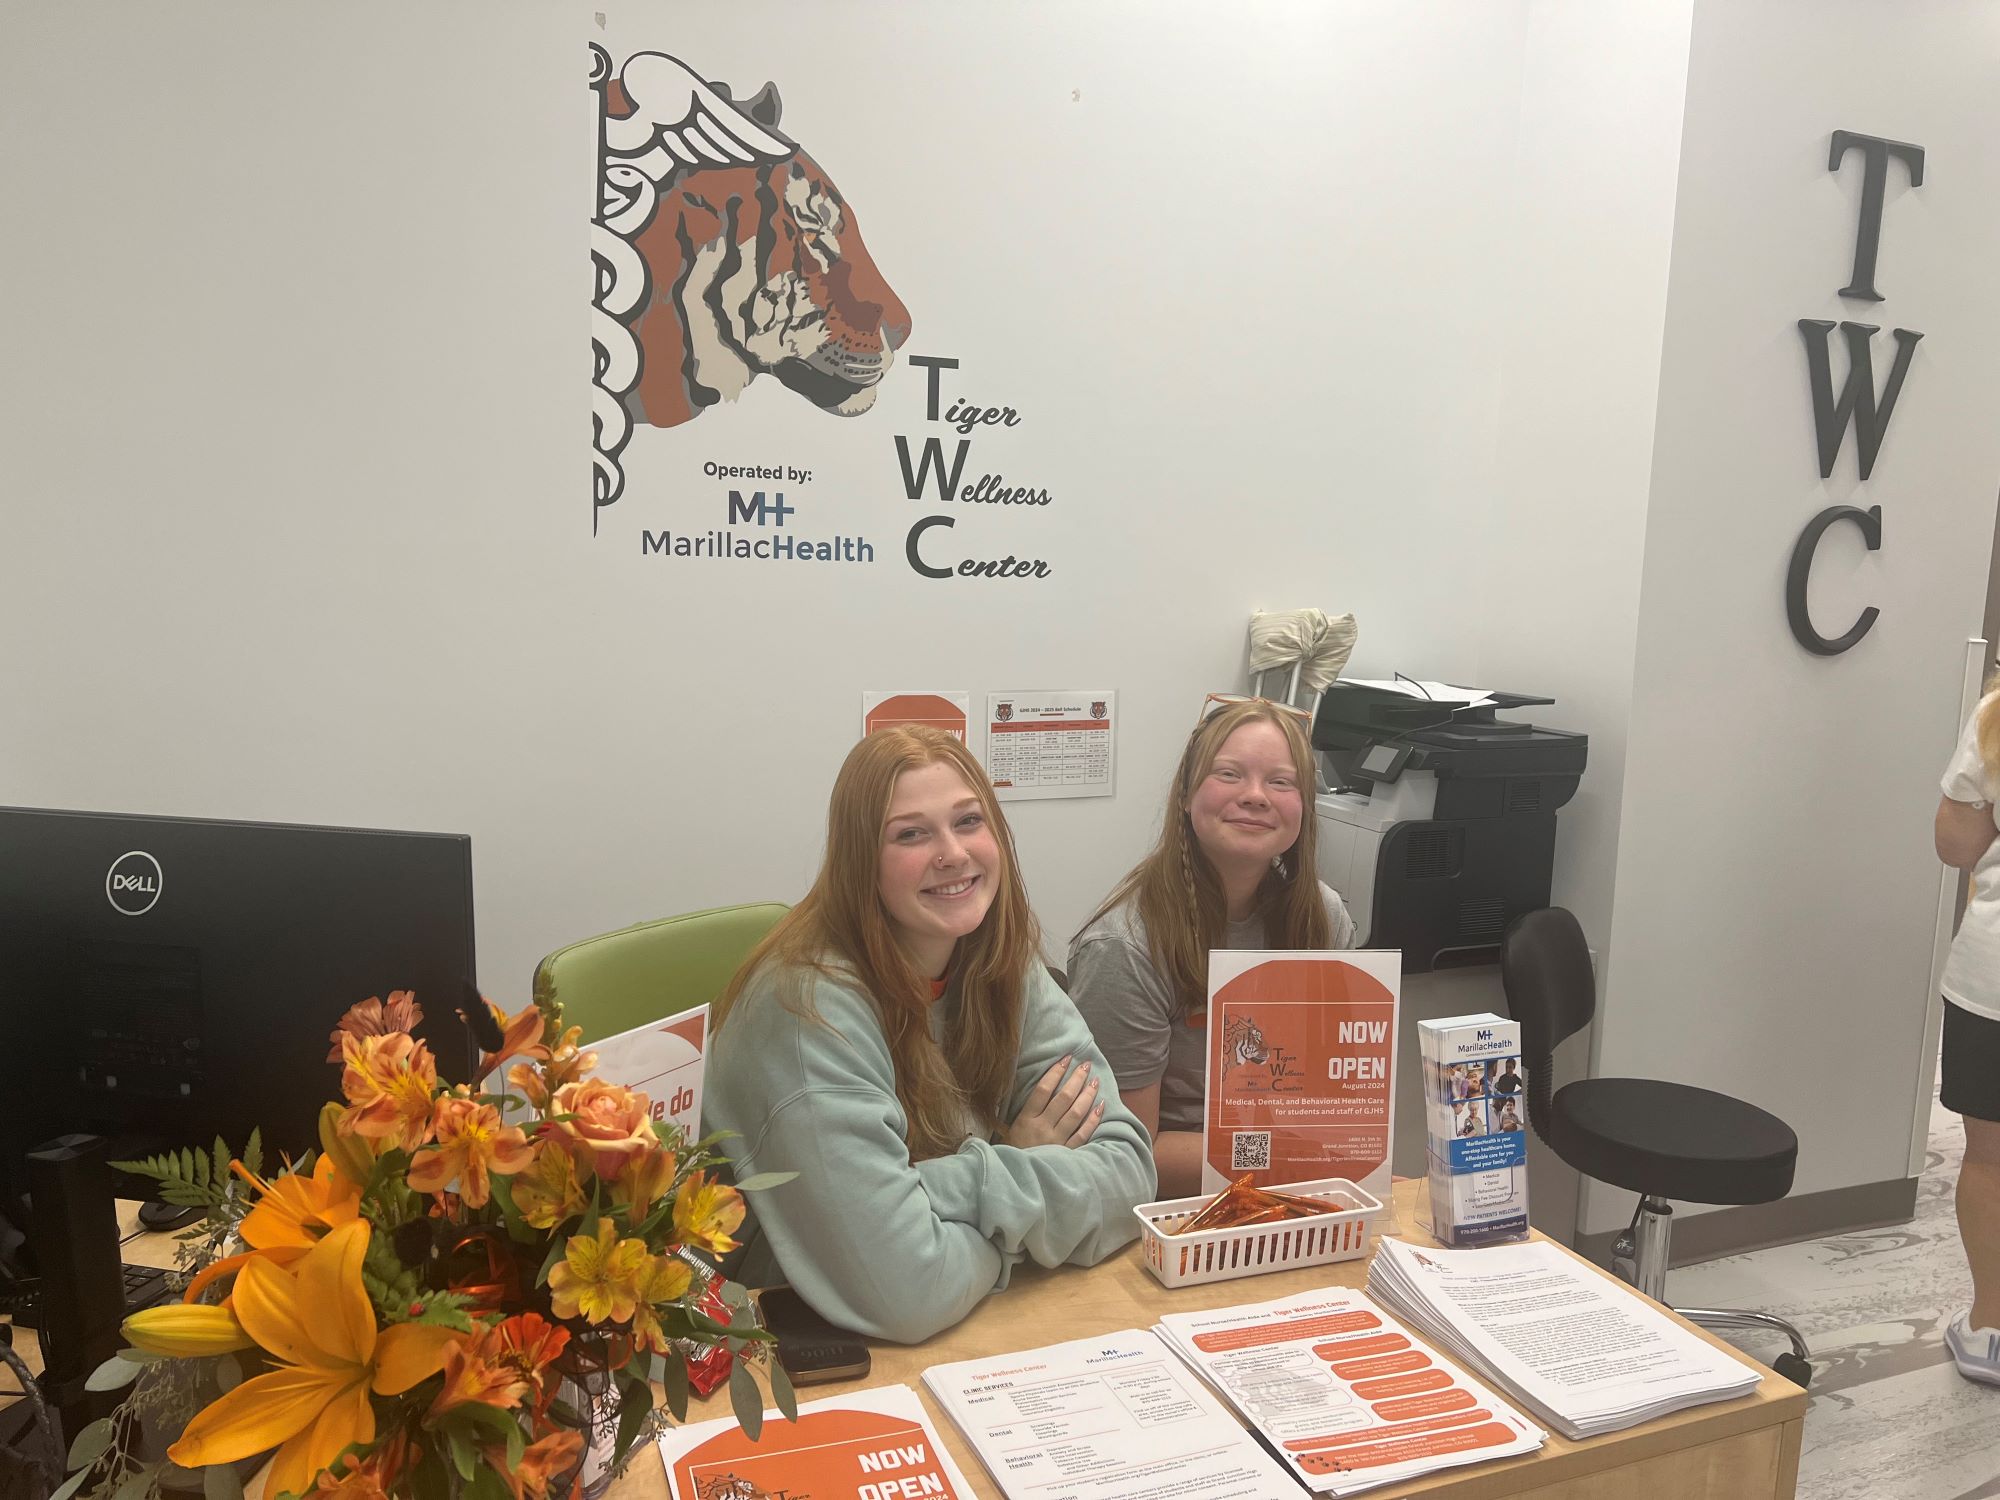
{"points": [[841, 931]]}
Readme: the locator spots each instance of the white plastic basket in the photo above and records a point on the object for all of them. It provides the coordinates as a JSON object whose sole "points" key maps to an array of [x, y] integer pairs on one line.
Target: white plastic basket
{"points": [[1341, 1233]]}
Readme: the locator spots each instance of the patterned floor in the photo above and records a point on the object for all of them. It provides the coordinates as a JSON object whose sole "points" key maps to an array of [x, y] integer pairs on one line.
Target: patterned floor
{"points": [[1890, 1417]]}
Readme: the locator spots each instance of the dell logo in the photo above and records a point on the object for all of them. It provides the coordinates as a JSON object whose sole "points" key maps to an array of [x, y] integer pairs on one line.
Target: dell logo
{"points": [[133, 883]]}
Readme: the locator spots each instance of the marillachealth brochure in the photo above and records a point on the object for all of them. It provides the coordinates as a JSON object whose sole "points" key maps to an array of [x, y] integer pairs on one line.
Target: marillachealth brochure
{"points": [[1475, 1128], [1111, 1418]]}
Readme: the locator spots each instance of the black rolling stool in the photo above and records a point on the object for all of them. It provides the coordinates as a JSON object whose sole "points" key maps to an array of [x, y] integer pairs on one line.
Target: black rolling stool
{"points": [[1658, 1139]]}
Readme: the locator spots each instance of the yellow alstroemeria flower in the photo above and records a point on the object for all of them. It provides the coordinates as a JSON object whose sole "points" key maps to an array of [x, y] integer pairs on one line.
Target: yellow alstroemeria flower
{"points": [[182, 1331], [548, 1192], [317, 1320], [598, 1276], [644, 1180], [707, 1213], [666, 1280]]}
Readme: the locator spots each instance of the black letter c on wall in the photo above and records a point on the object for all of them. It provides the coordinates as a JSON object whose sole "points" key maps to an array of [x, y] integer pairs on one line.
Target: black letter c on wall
{"points": [[1870, 522], [910, 546]]}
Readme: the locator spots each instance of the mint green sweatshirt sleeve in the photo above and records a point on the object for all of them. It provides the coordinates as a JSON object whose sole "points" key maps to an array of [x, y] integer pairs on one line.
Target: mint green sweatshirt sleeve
{"points": [[874, 1242]]}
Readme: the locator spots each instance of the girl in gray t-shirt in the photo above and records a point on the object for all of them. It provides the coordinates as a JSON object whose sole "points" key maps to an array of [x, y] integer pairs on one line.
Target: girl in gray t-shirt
{"points": [[1233, 868]]}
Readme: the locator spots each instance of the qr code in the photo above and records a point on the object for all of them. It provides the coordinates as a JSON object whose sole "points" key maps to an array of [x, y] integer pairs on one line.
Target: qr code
{"points": [[1249, 1150]]}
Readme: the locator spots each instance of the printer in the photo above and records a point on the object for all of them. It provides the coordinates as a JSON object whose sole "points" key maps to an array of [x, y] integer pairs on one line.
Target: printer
{"points": [[1438, 826]]}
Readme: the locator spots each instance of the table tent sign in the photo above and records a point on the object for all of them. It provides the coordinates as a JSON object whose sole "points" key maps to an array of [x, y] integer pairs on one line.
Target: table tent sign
{"points": [[1301, 1067], [662, 1060]]}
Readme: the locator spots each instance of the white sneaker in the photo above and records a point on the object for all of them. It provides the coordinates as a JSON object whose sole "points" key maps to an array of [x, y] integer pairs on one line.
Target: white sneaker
{"points": [[1976, 1351]]}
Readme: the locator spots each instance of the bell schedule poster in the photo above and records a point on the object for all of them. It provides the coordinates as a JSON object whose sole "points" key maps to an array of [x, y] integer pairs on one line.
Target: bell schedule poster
{"points": [[1301, 1067]]}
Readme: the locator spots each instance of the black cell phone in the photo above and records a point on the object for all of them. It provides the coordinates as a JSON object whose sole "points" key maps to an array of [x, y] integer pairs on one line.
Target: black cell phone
{"points": [[810, 1348]]}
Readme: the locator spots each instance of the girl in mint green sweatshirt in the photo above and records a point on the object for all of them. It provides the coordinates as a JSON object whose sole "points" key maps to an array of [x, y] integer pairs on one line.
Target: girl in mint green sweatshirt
{"points": [[897, 1042]]}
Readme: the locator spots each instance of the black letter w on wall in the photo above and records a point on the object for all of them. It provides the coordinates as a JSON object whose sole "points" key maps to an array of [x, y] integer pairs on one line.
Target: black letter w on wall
{"points": [[1857, 398]]}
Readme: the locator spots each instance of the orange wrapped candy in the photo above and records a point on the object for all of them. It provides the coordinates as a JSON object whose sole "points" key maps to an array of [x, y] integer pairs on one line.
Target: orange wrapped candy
{"points": [[1243, 1202]]}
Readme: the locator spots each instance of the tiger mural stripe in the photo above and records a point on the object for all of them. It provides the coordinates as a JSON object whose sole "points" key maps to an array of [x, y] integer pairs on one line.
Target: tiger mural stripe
{"points": [[721, 252]]}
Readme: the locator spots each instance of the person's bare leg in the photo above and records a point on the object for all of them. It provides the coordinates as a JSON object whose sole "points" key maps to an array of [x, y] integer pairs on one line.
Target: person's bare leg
{"points": [[1979, 1218]]}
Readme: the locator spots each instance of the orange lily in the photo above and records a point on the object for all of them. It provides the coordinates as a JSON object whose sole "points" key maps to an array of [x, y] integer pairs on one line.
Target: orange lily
{"points": [[471, 1142], [182, 1332], [298, 1210], [707, 1213], [317, 1320], [293, 1213]]}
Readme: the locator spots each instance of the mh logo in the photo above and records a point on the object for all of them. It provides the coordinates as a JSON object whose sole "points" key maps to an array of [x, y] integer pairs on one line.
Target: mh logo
{"points": [[1485, 1033], [133, 883], [757, 508]]}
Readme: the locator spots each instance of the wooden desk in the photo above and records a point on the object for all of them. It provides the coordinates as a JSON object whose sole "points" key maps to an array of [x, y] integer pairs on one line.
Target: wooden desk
{"points": [[1747, 1449]]}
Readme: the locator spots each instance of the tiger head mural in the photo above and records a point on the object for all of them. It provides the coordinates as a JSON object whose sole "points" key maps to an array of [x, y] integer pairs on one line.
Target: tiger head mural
{"points": [[722, 252]]}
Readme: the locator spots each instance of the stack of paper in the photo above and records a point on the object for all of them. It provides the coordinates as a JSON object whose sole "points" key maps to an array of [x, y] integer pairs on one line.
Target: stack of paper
{"points": [[858, 1447], [1586, 1354], [1342, 1394], [1110, 1418]]}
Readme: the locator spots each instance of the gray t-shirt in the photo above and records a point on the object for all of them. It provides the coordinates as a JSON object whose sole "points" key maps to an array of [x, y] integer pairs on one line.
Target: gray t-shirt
{"points": [[1135, 1017]]}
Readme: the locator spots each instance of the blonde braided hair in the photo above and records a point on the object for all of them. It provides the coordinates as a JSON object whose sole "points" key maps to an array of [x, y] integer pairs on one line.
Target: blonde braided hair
{"points": [[1175, 890]]}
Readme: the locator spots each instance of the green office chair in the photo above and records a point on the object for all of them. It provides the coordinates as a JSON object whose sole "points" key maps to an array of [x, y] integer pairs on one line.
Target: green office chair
{"points": [[619, 980]]}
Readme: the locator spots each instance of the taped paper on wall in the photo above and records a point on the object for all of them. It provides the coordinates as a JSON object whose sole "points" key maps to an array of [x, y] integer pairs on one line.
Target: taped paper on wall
{"points": [[1051, 743]]}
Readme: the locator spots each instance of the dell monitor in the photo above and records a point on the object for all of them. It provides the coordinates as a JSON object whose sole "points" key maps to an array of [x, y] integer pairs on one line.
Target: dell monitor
{"points": [[165, 981]]}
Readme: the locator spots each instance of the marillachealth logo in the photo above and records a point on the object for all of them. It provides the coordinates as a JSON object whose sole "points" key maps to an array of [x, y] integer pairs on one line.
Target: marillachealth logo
{"points": [[721, 253]]}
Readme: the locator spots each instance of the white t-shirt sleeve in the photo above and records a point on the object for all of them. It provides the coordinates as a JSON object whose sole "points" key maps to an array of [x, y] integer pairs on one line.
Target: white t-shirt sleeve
{"points": [[1966, 778]]}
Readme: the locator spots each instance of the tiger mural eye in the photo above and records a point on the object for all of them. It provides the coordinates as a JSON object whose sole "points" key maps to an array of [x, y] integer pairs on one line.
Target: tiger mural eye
{"points": [[722, 252]]}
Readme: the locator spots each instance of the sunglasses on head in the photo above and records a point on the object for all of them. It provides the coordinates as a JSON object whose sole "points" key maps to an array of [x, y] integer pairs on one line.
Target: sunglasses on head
{"points": [[1216, 702]]}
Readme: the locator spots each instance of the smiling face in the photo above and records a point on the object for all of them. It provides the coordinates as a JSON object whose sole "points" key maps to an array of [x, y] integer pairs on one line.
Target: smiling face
{"points": [[940, 864], [1246, 810]]}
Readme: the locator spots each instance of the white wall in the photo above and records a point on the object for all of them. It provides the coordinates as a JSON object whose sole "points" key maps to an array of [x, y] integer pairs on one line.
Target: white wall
{"points": [[298, 518], [1583, 261], [1477, 321], [1775, 885]]}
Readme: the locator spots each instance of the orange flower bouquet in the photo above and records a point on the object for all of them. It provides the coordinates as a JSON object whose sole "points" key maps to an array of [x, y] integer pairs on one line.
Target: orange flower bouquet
{"points": [[455, 1295]]}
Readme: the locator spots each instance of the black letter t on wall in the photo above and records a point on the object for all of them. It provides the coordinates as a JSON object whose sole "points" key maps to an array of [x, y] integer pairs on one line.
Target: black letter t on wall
{"points": [[1875, 154]]}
